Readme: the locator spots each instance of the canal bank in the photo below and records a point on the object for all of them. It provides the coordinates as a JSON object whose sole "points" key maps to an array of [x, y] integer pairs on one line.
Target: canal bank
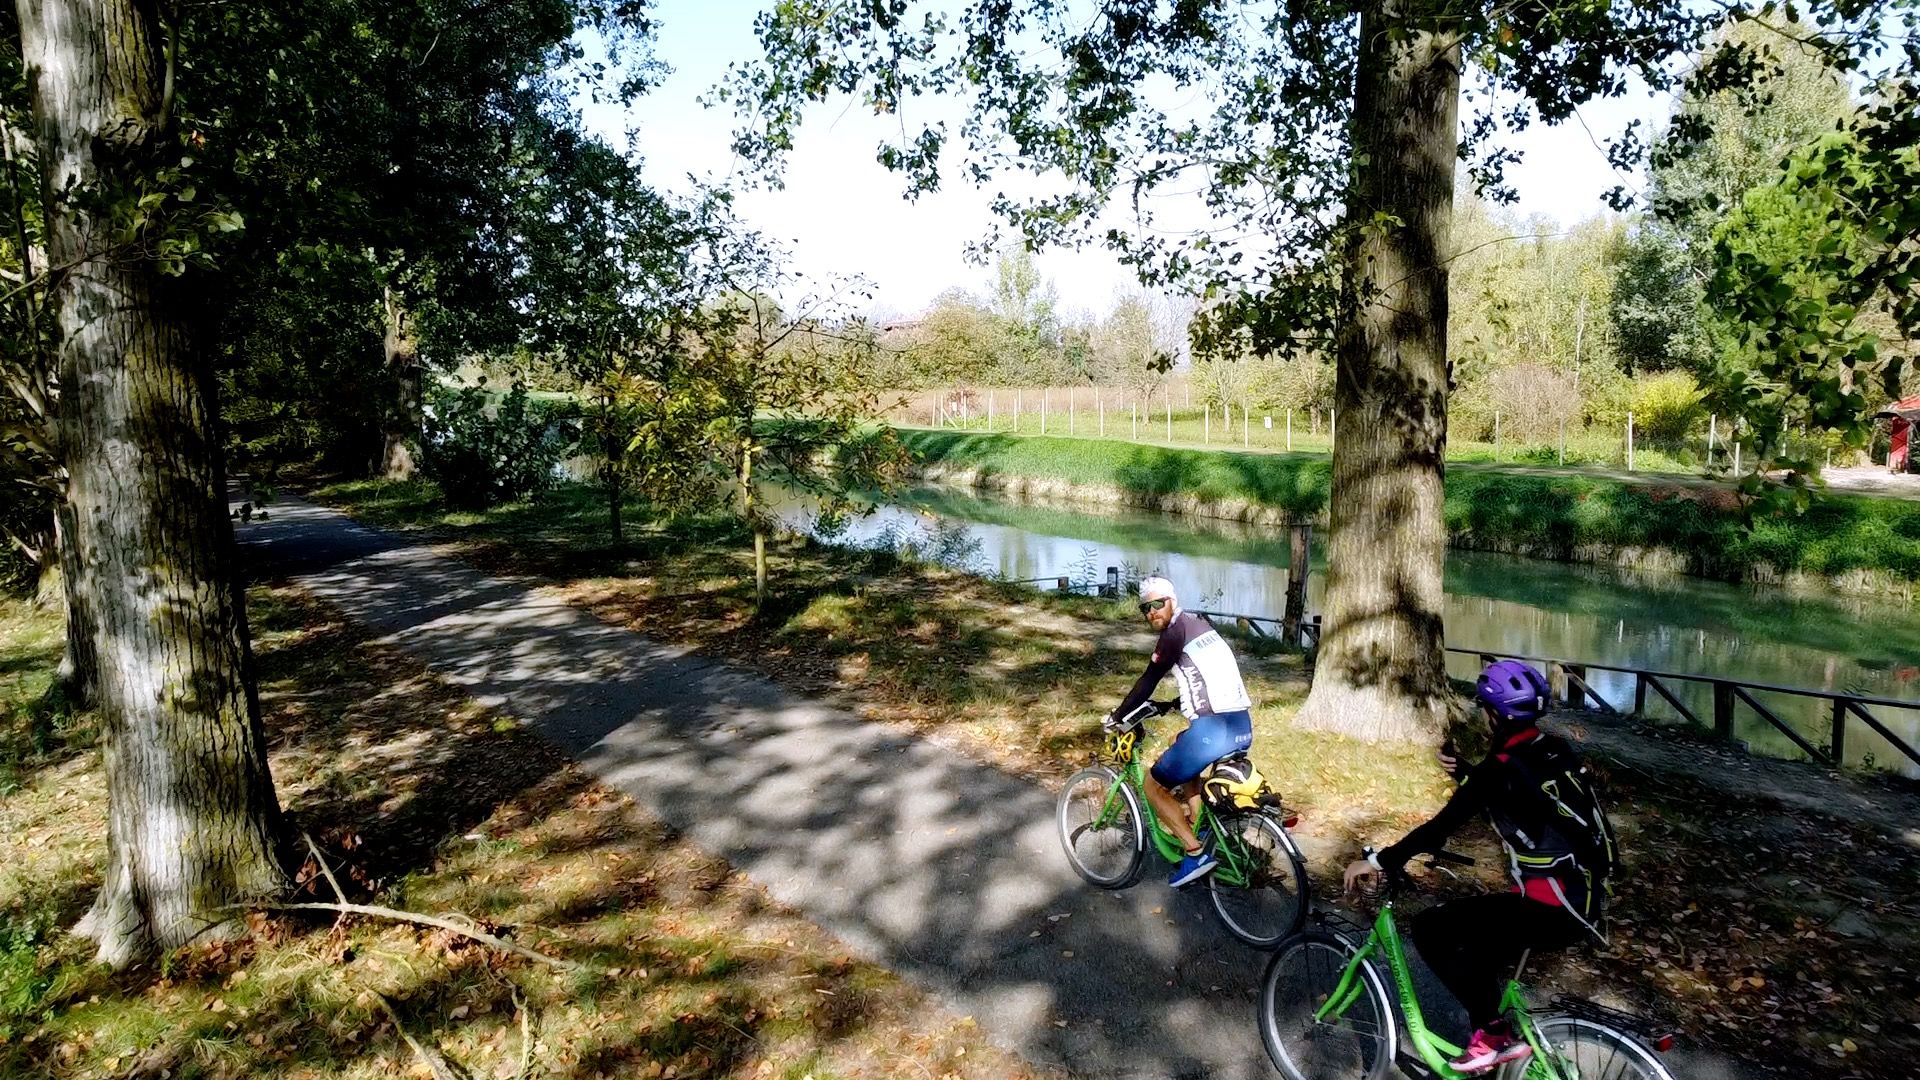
{"points": [[1854, 544], [1495, 603]]}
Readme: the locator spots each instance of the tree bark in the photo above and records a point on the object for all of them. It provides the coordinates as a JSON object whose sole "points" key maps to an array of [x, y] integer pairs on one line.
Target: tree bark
{"points": [[192, 816], [1381, 672], [79, 672], [403, 421]]}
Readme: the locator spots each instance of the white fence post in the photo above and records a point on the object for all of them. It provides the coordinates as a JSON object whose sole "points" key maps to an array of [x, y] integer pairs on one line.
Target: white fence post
{"points": [[1206, 424], [1169, 393], [1629, 441]]}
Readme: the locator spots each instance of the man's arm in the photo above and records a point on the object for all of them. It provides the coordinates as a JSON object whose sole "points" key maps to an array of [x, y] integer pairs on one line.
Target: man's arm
{"points": [[1468, 801], [1165, 652]]}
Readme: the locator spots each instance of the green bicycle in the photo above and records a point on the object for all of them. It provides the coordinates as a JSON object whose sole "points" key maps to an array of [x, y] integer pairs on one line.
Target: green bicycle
{"points": [[1259, 890], [1325, 1013]]}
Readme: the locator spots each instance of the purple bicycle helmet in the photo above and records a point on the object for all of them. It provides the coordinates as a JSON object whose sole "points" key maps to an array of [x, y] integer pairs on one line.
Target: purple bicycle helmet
{"points": [[1513, 690]]}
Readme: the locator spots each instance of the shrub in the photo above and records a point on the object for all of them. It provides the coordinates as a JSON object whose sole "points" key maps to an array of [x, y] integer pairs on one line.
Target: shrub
{"points": [[1533, 401], [482, 452], [1666, 408]]}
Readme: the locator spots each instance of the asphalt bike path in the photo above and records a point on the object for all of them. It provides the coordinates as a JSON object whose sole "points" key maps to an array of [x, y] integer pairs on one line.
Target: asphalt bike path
{"points": [[942, 868]]}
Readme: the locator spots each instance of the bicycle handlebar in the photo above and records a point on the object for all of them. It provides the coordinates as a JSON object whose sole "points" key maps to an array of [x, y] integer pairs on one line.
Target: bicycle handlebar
{"points": [[1143, 711]]}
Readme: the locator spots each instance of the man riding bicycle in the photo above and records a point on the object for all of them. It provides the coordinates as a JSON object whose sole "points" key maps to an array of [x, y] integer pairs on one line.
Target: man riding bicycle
{"points": [[1215, 702], [1559, 847]]}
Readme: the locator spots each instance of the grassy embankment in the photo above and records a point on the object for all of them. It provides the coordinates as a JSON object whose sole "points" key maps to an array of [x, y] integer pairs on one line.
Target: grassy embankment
{"points": [[1191, 428], [1696, 527], [426, 802], [1766, 932]]}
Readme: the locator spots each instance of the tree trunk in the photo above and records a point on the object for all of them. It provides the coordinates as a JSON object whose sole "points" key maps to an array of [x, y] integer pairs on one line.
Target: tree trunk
{"points": [[614, 436], [747, 515], [79, 672], [403, 422], [191, 810], [1381, 672]]}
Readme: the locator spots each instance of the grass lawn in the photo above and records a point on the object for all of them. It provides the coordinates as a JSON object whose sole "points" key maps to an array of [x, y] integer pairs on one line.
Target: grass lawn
{"points": [[426, 801], [1766, 933], [1701, 527]]}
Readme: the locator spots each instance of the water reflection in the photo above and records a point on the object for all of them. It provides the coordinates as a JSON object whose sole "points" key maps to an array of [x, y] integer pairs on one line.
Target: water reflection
{"points": [[1496, 603]]}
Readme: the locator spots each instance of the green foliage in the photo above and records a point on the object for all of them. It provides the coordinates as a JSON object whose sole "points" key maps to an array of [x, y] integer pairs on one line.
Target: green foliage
{"points": [[24, 979], [1072, 99], [1813, 273], [1656, 303], [1667, 408], [483, 451]]}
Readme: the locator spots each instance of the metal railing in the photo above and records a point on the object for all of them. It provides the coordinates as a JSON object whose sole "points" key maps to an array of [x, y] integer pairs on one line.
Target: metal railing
{"points": [[1571, 688]]}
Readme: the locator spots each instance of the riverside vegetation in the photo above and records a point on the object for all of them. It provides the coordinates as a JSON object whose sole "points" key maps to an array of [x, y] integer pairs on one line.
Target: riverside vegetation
{"points": [[1693, 526]]}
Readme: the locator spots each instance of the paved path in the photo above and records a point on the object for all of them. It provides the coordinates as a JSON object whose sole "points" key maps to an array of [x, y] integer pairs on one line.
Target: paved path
{"points": [[934, 865]]}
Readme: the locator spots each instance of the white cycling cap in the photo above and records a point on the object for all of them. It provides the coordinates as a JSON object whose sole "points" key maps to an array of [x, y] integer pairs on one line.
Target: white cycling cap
{"points": [[1157, 586]]}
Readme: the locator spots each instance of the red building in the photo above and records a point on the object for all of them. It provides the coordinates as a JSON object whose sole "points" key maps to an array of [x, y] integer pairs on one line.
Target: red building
{"points": [[1902, 418]]}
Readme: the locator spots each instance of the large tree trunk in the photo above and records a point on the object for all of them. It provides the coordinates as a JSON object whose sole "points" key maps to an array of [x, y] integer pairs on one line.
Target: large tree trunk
{"points": [[79, 665], [402, 423], [1381, 671], [192, 815]]}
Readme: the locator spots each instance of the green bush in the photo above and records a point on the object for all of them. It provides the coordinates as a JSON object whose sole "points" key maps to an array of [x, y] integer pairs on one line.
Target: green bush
{"points": [[483, 451], [1666, 408]]}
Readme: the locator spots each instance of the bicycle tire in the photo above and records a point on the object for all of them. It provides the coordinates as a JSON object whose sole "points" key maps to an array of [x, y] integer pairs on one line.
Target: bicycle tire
{"points": [[1359, 1047], [1128, 827], [1584, 1049], [1272, 907]]}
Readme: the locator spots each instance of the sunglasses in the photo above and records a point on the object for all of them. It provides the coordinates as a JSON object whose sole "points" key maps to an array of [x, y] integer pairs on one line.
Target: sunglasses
{"points": [[1152, 606]]}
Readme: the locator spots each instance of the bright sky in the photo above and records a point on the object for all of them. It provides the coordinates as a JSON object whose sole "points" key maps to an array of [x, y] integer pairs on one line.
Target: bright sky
{"points": [[841, 212]]}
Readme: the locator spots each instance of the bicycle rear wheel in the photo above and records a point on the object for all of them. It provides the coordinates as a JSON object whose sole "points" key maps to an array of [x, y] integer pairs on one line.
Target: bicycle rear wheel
{"points": [[1260, 888], [1357, 1043], [1582, 1049], [1101, 827]]}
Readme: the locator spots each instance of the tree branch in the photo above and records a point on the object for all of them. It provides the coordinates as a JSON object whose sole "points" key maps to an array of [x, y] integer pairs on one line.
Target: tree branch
{"points": [[377, 911], [435, 1063]]}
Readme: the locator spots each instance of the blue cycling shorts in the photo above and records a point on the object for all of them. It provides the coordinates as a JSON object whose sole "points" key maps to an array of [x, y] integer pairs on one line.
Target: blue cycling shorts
{"points": [[1206, 740]]}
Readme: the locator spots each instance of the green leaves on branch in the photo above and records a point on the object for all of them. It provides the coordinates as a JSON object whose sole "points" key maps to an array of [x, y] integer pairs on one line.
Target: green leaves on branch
{"points": [[1814, 273]]}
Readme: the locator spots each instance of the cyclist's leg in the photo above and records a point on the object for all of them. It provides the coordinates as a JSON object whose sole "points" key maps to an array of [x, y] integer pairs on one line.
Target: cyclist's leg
{"points": [[1204, 742], [1471, 945]]}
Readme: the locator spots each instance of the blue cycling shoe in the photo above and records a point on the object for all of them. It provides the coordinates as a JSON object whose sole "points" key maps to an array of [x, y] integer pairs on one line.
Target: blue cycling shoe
{"points": [[1192, 868]]}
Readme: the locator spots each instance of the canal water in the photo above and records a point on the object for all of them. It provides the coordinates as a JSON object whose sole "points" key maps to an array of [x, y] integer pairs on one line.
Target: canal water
{"points": [[1496, 603]]}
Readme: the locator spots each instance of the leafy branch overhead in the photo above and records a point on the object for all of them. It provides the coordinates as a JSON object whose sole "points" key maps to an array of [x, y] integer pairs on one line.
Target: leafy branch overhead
{"points": [[1125, 119]]}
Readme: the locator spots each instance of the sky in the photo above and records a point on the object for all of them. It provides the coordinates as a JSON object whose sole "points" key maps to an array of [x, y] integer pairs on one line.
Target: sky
{"points": [[841, 213]]}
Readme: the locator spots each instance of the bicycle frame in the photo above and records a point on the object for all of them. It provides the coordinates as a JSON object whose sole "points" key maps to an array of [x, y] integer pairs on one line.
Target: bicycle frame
{"points": [[1434, 1051], [1123, 756]]}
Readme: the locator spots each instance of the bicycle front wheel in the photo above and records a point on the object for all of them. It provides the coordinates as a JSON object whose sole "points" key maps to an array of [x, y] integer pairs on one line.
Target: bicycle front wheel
{"points": [[1354, 1040], [1101, 827], [1259, 889], [1582, 1049]]}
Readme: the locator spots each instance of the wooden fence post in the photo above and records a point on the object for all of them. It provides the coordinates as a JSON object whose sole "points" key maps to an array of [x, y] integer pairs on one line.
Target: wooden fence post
{"points": [[1289, 430], [1575, 696], [1629, 442], [1723, 709], [1300, 540], [1044, 393], [1837, 741]]}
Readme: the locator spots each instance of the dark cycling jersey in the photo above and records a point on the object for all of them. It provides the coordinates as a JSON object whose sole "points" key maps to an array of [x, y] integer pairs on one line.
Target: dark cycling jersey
{"points": [[1545, 864], [1201, 662]]}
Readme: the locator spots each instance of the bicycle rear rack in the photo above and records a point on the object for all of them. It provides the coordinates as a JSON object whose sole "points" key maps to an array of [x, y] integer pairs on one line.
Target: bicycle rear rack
{"points": [[1657, 1032]]}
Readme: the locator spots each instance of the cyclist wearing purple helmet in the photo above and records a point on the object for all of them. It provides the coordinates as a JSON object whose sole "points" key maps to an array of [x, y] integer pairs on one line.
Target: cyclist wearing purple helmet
{"points": [[1559, 846]]}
